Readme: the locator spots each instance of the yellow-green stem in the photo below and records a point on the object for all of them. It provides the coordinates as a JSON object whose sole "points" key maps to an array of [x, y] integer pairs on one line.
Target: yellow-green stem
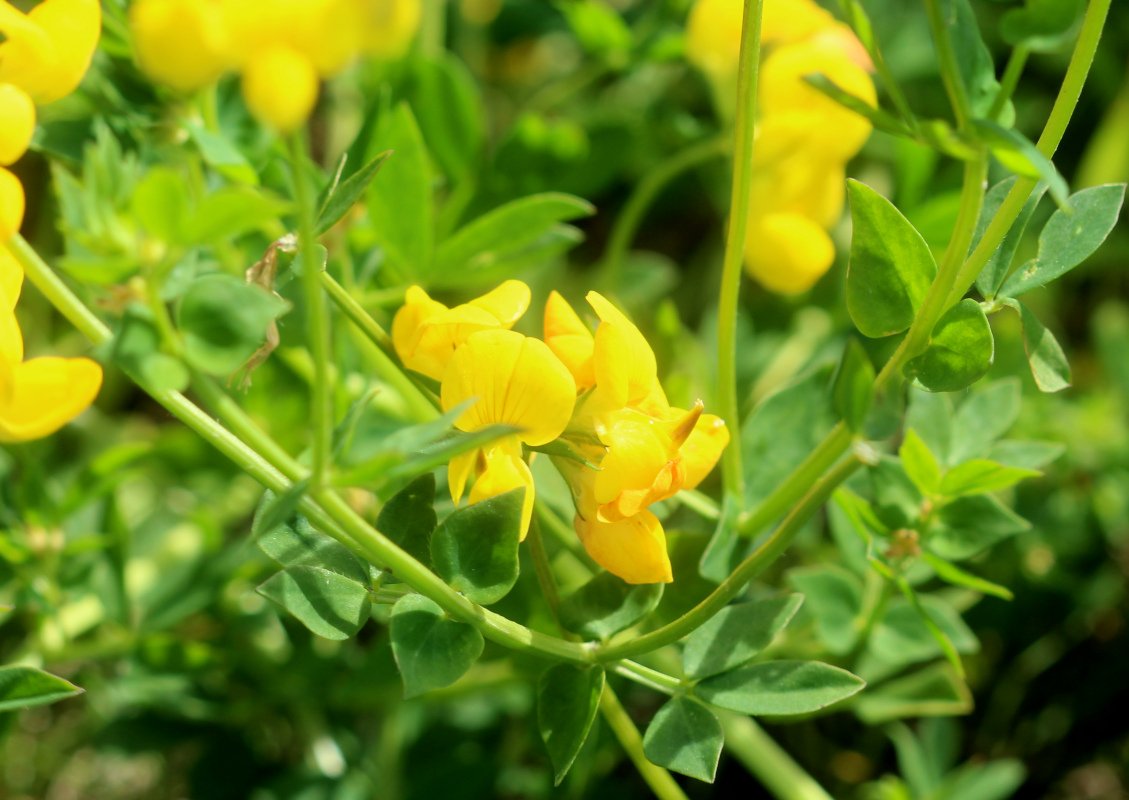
{"points": [[660, 781]]}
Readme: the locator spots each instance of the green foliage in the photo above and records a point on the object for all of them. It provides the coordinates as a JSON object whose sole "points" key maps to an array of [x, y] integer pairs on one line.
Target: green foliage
{"points": [[780, 688], [475, 548], [686, 737], [409, 518], [341, 196], [431, 650], [24, 687], [329, 604], [224, 321], [400, 204], [567, 700], [605, 605], [734, 636], [853, 388], [960, 352]]}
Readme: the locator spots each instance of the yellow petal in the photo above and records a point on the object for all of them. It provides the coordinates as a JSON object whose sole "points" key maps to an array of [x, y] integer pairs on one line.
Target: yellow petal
{"points": [[11, 205], [442, 334], [504, 471], [788, 253], [642, 466], [633, 549], [623, 361], [514, 380], [280, 86], [391, 26], [459, 470], [11, 279], [17, 112], [48, 51], [181, 43], [46, 394], [418, 308], [570, 339], [702, 449], [11, 339], [507, 303]]}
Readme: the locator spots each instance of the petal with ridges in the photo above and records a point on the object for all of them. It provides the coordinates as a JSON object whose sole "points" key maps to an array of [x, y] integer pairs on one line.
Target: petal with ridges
{"points": [[507, 303]]}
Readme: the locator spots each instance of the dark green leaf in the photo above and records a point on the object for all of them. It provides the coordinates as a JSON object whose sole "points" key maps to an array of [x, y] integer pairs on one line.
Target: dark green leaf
{"points": [[567, 700], [475, 548], [904, 634], [780, 688], [994, 780], [606, 605], [685, 737], [1042, 25], [961, 350], [276, 509], [735, 635], [833, 598], [348, 193], [973, 58], [329, 604], [992, 276], [294, 543], [1020, 155], [931, 691], [969, 525], [409, 518], [224, 321], [24, 687], [897, 500], [136, 349], [1070, 236], [431, 650], [853, 387], [890, 268]]}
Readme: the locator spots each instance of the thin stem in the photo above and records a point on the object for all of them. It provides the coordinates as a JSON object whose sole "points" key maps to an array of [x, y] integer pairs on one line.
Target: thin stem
{"points": [[950, 67], [660, 781], [627, 223], [733, 474], [317, 321], [645, 676], [771, 549], [544, 572], [858, 20], [772, 765], [1015, 64]]}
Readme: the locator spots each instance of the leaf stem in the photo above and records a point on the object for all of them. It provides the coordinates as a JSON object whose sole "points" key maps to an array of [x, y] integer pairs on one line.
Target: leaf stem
{"points": [[1015, 64], [950, 67], [645, 676], [660, 781], [768, 761], [733, 474]]}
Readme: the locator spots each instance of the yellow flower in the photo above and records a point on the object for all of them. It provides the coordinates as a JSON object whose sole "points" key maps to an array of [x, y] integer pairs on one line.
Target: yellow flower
{"points": [[17, 122], [512, 380], [391, 26], [11, 278], [11, 204], [181, 43], [425, 333], [570, 339], [47, 51], [623, 362], [280, 87]]}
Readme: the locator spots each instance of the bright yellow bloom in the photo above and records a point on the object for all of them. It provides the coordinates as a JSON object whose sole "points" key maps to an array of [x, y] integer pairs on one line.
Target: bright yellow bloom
{"points": [[17, 122], [11, 204], [47, 51], [624, 364], [11, 279], [425, 333], [512, 380], [181, 43], [570, 339], [280, 87], [391, 26]]}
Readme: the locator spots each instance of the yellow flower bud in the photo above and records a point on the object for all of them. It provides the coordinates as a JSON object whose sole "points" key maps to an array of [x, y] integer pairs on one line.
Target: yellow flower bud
{"points": [[11, 204], [391, 26], [633, 549], [181, 43], [280, 86], [623, 361], [17, 123], [788, 253], [47, 51], [45, 394]]}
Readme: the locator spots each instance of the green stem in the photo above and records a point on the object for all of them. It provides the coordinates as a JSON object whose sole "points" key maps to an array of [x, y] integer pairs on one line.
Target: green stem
{"points": [[645, 676], [317, 320], [629, 219], [763, 757], [544, 572], [660, 781], [1015, 64], [733, 474], [859, 21], [771, 549], [947, 58]]}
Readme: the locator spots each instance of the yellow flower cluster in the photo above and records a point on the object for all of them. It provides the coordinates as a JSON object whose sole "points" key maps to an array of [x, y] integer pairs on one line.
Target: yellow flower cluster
{"points": [[281, 48], [803, 138], [597, 392]]}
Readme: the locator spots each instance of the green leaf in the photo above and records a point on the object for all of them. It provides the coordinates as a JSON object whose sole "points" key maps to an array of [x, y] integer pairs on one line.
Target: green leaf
{"points": [[606, 605], [986, 415], [224, 321], [552, 243], [1029, 455], [409, 518], [230, 212], [1042, 25], [920, 464], [400, 205], [961, 350], [950, 573], [973, 58], [496, 235], [600, 30], [995, 271], [567, 700], [930, 414], [995, 780], [1020, 155], [931, 691], [24, 687], [904, 635], [431, 651], [890, 267], [735, 635], [1049, 365], [981, 476], [276, 509], [852, 389], [685, 737], [445, 98], [329, 604], [348, 193], [780, 688], [1070, 236], [294, 543], [833, 598], [160, 204], [475, 548], [136, 349], [969, 525], [219, 152], [897, 500]]}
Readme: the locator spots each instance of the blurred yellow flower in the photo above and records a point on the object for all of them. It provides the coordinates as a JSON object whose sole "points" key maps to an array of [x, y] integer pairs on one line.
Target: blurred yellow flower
{"points": [[47, 51], [11, 204], [17, 122], [280, 87], [181, 43]]}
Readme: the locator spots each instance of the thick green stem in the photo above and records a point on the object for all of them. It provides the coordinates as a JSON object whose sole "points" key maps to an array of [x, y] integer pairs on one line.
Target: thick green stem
{"points": [[763, 757], [733, 473], [317, 320], [660, 781]]}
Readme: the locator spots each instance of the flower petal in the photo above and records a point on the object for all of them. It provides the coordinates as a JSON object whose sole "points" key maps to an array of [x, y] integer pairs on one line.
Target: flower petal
{"points": [[11, 205], [18, 113], [11, 279], [788, 253], [703, 448], [507, 303], [642, 466], [571, 340], [633, 549], [47, 393], [623, 361], [504, 472]]}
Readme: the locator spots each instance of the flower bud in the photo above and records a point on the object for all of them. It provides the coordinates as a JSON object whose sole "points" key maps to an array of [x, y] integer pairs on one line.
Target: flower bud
{"points": [[280, 87]]}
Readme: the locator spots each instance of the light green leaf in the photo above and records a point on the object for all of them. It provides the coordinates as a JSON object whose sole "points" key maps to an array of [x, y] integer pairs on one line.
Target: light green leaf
{"points": [[986, 415], [1049, 365], [961, 350], [890, 268], [1070, 236], [293, 542], [475, 548], [931, 691], [931, 415], [230, 212], [969, 525], [409, 518], [852, 389], [348, 193], [1020, 155], [606, 605], [224, 321], [735, 635], [973, 58], [685, 737], [1042, 25], [950, 573], [219, 152], [160, 204], [994, 780], [780, 688], [400, 204], [992, 276], [904, 635], [330, 605], [920, 464], [981, 476], [833, 598], [567, 700], [24, 687], [1029, 455], [431, 650], [599, 28], [447, 102]]}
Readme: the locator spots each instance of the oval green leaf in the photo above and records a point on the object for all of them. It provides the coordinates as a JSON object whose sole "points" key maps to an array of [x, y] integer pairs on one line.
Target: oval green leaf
{"points": [[475, 548], [431, 651], [606, 605], [330, 605], [685, 737], [24, 687], [736, 634], [960, 350], [567, 700], [780, 688]]}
